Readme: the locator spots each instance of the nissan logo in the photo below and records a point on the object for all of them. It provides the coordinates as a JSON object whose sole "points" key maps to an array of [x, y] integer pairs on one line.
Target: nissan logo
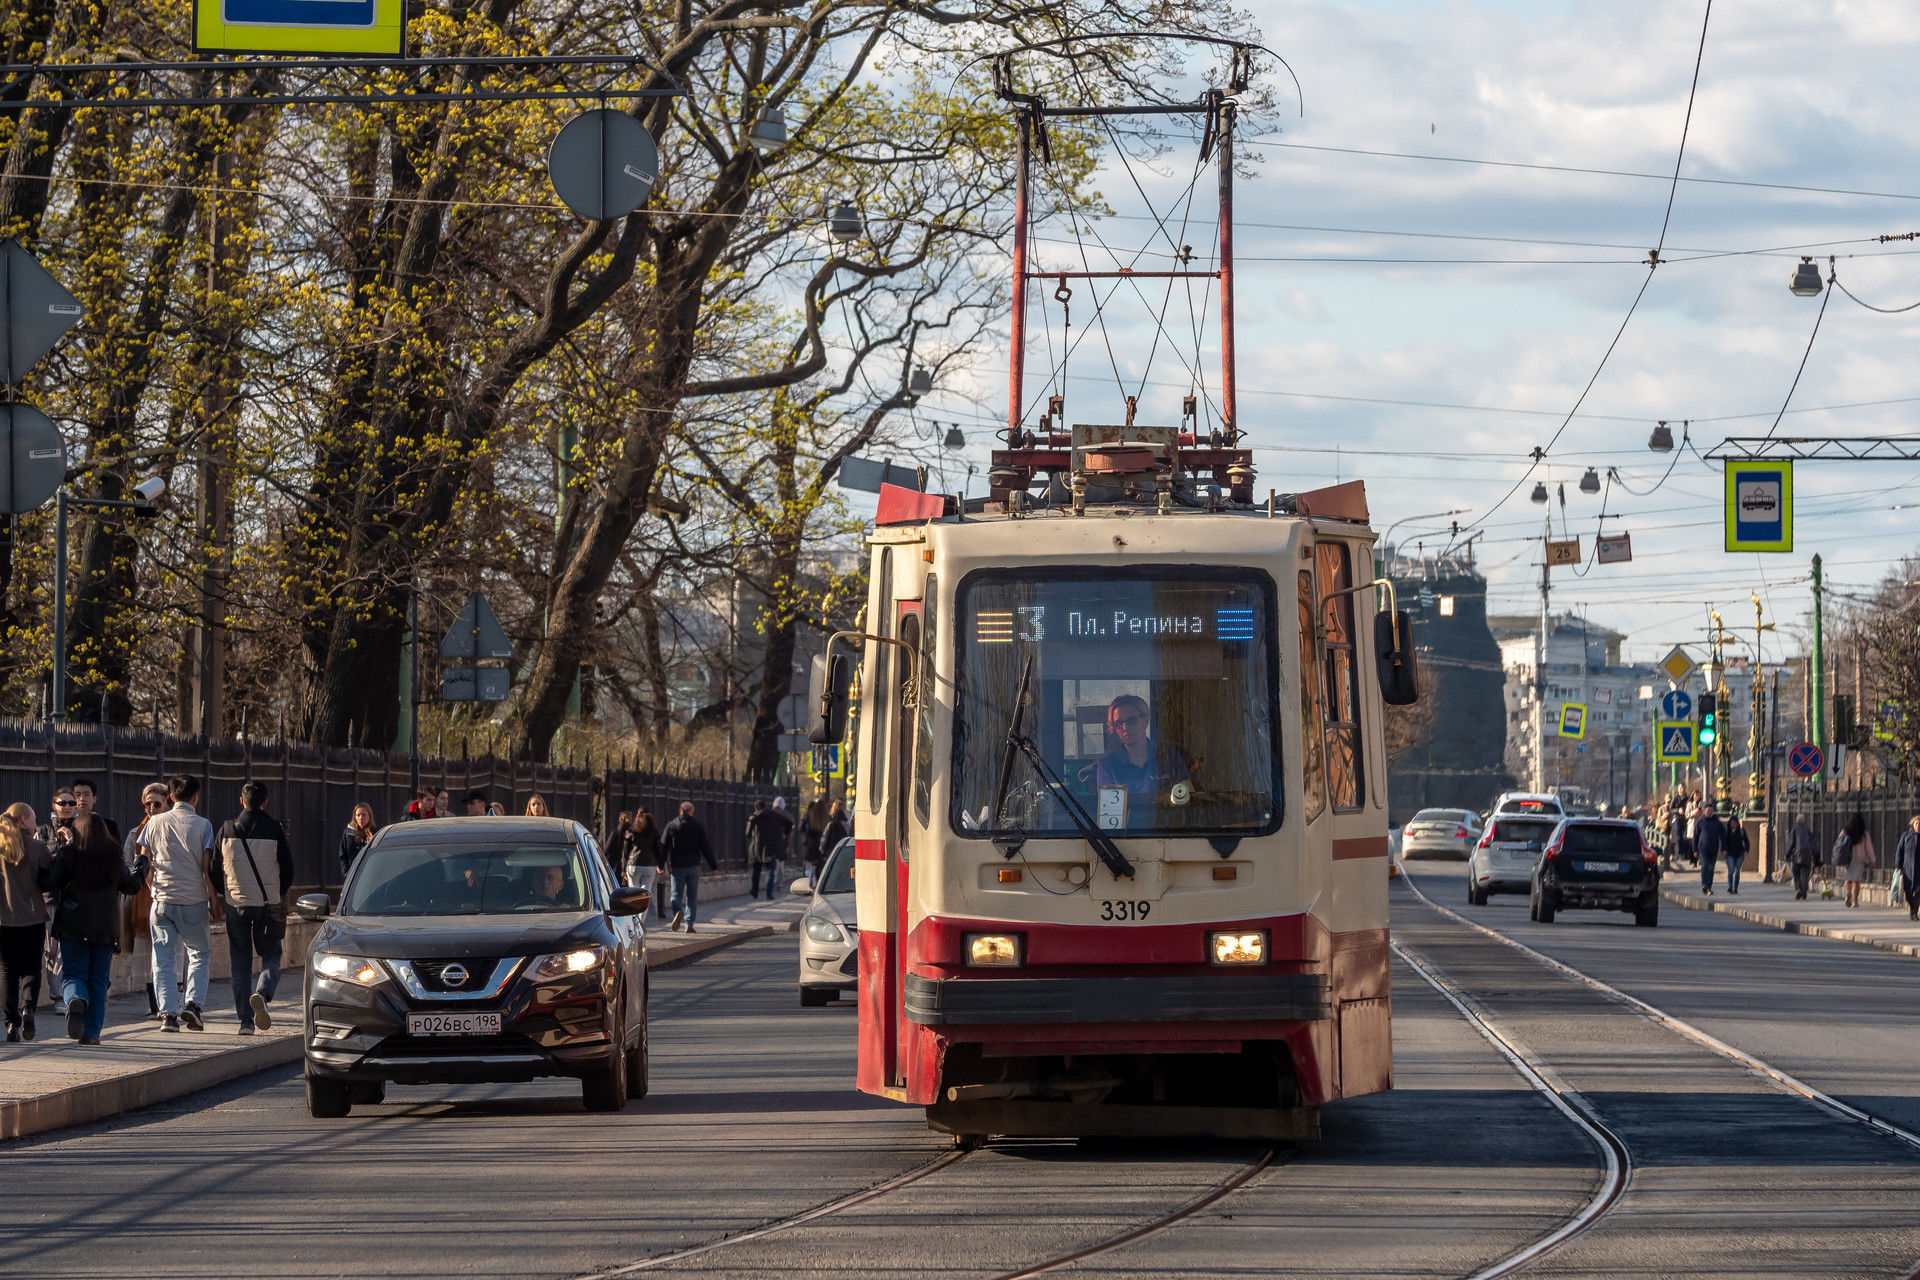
{"points": [[454, 975]]}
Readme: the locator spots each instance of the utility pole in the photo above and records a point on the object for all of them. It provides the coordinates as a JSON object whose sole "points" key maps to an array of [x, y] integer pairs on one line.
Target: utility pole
{"points": [[1759, 711], [1540, 661], [1817, 668]]}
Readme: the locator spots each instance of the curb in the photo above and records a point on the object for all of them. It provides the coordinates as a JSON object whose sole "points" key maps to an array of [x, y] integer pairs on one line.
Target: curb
{"points": [[1790, 926], [97, 1100]]}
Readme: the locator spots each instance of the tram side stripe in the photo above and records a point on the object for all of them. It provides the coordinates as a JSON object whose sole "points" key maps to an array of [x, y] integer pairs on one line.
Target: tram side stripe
{"points": [[1359, 847]]}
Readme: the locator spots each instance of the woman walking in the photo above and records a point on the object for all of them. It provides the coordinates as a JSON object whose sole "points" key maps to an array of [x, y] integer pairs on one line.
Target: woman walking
{"points": [[640, 852], [88, 879], [24, 863], [358, 835], [1860, 856]]}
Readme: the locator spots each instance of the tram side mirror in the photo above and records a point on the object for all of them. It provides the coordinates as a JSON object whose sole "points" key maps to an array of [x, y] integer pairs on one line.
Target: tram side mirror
{"points": [[827, 689], [1393, 650]]}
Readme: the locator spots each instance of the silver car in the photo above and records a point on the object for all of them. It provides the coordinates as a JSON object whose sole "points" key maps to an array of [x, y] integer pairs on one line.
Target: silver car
{"points": [[1504, 860], [1446, 833], [829, 938]]}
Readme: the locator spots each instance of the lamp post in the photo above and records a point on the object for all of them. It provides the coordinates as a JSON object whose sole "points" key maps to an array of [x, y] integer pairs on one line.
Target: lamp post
{"points": [[146, 496], [1379, 561]]}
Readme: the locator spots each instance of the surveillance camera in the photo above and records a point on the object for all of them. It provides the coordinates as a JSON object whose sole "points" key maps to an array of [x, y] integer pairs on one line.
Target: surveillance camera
{"points": [[149, 491]]}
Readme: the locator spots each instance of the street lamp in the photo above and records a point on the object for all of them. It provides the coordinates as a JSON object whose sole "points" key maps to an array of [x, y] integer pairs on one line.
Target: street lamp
{"points": [[1661, 441], [955, 439], [1539, 491], [1378, 561], [1590, 482], [844, 223], [1806, 280], [145, 502], [922, 381], [769, 132]]}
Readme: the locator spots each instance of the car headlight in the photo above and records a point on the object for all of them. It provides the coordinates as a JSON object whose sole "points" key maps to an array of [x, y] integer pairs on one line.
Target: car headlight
{"points": [[821, 929], [992, 950], [1238, 948], [358, 970], [566, 963]]}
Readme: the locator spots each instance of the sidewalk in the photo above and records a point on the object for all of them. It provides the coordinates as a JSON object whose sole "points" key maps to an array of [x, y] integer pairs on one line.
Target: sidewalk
{"points": [[53, 1083], [1872, 923]]}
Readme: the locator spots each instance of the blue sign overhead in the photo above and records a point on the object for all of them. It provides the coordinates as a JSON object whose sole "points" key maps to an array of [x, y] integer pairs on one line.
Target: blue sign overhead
{"points": [[1675, 704], [1759, 506]]}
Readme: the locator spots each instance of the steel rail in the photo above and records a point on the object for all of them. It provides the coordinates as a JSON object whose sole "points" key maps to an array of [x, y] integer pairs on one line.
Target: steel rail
{"points": [[1220, 1192], [1619, 1162], [1765, 1070]]}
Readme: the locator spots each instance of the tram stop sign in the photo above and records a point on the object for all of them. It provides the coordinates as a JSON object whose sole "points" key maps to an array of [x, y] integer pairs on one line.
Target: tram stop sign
{"points": [[1573, 720], [1805, 759]]}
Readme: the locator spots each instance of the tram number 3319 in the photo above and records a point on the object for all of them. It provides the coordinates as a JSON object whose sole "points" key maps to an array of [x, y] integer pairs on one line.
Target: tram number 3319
{"points": [[1124, 908]]}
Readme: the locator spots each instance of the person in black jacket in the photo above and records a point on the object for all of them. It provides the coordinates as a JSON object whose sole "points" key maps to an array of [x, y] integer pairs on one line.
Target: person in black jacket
{"points": [[355, 839], [683, 847], [87, 879], [838, 829], [1736, 853], [253, 869], [768, 831], [1709, 841]]}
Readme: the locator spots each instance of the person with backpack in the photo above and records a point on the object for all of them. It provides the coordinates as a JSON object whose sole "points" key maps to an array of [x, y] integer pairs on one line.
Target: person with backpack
{"points": [[1802, 854], [1709, 842], [253, 868], [1853, 852], [768, 831], [1736, 852]]}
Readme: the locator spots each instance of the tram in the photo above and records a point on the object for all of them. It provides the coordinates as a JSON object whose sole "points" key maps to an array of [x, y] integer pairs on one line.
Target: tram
{"points": [[1120, 794]]}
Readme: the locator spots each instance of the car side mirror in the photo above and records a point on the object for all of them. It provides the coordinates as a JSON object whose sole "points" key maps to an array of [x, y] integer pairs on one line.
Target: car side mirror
{"points": [[800, 886], [313, 906], [1394, 654], [629, 902], [827, 696]]}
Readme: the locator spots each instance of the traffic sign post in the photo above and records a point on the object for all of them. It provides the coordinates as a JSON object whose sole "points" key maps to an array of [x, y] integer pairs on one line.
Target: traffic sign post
{"points": [[1805, 759], [1759, 506], [1674, 742], [1676, 704]]}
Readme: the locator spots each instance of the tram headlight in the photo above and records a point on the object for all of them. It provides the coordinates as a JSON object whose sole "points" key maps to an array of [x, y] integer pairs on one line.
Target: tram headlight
{"points": [[1238, 948], [992, 950]]}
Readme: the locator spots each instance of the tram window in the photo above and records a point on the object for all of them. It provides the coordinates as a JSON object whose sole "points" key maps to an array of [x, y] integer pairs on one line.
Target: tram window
{"points": [[1313, 772], [881, 700], [1341, 684], [923, 736], [1150, 696]]}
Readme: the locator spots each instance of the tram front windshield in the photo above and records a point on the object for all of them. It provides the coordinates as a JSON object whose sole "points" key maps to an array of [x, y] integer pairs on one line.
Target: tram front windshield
{"points": [[1150, 698]]}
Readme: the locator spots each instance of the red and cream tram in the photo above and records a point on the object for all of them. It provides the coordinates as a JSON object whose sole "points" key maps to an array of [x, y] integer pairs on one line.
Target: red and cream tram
{"points": [[1120, 795]]}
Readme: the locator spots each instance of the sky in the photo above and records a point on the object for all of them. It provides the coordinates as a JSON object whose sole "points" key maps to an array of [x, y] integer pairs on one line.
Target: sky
{"points": [[1404, 319]]}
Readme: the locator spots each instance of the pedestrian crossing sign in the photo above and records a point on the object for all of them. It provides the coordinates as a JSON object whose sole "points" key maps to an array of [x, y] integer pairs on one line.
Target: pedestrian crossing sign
{"points": [[828, 762], [1673, 742], [1573, 720]]}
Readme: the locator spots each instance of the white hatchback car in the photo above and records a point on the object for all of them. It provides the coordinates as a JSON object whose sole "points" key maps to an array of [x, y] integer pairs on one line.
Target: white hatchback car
{"points": [[1446, 832], [1504, 860], [829, 938]]}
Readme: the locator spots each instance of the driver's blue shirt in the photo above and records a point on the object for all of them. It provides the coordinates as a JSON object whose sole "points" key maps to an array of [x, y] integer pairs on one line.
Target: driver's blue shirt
{"points": [[1163, 768]]}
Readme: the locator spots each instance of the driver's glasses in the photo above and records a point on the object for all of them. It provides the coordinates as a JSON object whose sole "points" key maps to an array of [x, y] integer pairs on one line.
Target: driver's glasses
{"points": [[1128, 720]]}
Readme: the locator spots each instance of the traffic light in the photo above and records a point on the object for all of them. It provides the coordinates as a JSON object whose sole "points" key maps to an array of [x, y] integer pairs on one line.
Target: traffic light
{"points": [[1709, 720]]}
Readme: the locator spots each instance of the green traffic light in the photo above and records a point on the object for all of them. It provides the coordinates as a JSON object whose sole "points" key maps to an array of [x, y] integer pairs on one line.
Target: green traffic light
{"points": [[1708, 733]]}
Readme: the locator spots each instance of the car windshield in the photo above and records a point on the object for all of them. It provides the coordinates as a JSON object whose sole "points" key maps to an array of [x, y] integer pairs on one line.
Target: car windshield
{"points": [[1530, 806], [1443, 815], [1621, 841], [1150, 696], [456, 880], [1531, 832], [837, 875]]}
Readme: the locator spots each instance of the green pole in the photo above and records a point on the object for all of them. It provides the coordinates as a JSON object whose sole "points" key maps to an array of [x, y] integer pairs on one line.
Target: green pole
{"points": [[1817, 713]]}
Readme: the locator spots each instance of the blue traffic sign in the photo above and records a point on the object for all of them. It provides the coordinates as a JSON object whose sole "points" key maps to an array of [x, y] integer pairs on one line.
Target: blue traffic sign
{"points": [[1673, 742], [1675, 704], [367, 27], [1806, 759]]}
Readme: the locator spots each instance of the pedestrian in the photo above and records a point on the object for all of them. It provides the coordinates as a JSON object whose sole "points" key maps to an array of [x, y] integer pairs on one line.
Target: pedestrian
{"points": [[1906, 857], [254, 870], [683, 847], [1802, 854], [355, 839], [1736, 851], [425, 805], [87, 879], [185, 903], [56, 834], [837, 829], [137, 909], [768, 831], [1709, 841], [1856, 847], [85, 795], [443, 803], [477, 802], [640, 852], [496, 810], [812, 823], [537, 806], [25, 862]]}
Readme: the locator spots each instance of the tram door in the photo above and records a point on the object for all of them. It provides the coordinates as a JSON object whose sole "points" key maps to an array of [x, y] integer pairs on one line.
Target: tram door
{"points": [[899, 753]]}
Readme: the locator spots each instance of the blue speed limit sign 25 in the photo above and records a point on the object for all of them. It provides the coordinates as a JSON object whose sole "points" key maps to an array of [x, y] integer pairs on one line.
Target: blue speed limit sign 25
{"points": [[1676, 705]]}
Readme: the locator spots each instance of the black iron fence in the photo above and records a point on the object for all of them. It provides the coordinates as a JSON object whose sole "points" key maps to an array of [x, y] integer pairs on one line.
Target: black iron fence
{"points": [[1886, 811], [313, 789]]}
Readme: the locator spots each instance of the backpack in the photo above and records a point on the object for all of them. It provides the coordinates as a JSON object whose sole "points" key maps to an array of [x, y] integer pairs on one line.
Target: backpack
{"points": [[1842, 849]]}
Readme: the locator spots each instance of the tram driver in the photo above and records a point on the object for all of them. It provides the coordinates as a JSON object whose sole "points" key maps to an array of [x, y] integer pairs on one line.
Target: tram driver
{"points": [[1141, 764]]}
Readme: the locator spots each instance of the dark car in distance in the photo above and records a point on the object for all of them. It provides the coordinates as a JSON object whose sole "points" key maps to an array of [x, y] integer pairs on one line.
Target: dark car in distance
{"points": [[476, 950], [1596, 864]]}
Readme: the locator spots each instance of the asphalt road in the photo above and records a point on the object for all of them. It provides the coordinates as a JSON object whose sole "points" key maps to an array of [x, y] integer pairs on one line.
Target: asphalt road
{"points": [[753, 1119]]}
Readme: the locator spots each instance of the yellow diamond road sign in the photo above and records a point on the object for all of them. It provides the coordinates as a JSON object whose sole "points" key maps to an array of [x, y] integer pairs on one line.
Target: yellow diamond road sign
{"points": [[1677, 665]]}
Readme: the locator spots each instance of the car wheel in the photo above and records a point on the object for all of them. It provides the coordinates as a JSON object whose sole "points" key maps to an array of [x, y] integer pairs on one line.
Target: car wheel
{"points": [[606, 1088], [367, 1093], [1648, 916], [1533, 906], [1545, 913], [328, 1099], [637, 1064], [814, 997]]}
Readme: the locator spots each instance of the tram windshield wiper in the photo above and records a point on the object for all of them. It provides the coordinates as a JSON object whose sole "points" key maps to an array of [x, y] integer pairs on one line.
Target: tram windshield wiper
{"points": [[1103, 845]]}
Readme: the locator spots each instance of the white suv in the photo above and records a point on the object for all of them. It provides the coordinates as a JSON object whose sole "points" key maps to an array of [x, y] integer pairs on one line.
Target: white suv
{"points": [[1504, 859], [1529, 802]]}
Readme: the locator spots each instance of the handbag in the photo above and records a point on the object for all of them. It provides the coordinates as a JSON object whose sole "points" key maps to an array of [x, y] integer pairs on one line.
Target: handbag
{"points": [[273, 925]]}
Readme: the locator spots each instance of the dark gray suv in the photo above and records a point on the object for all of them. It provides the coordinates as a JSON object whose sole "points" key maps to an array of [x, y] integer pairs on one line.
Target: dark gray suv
{"points": [[1599, 864], [477, 950]]}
